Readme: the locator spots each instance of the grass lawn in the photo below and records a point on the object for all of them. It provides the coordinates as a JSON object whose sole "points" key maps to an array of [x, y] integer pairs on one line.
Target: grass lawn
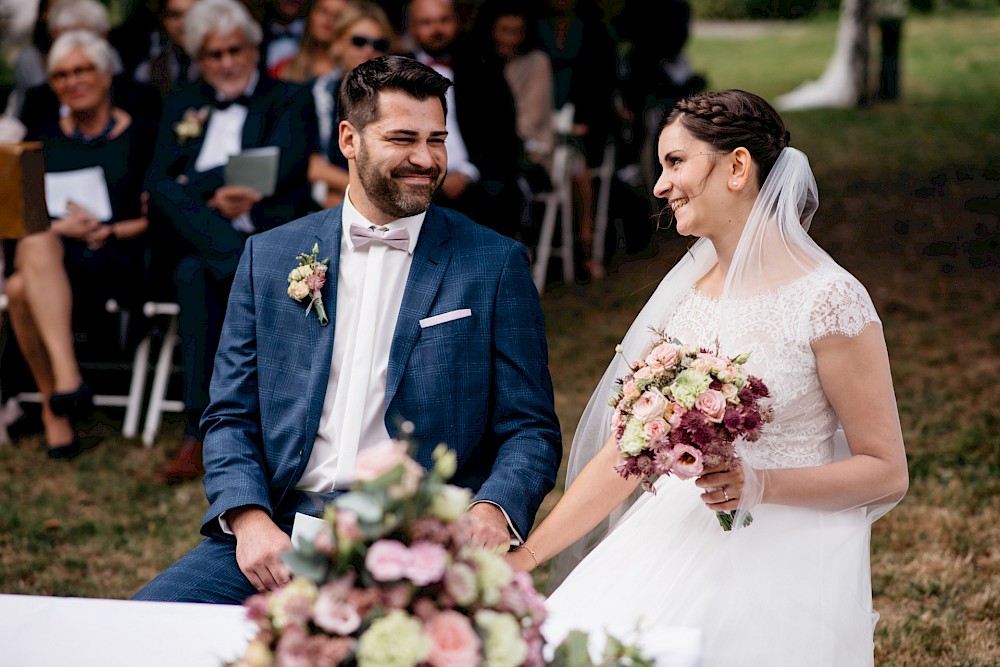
{"points": [[910, 204]]}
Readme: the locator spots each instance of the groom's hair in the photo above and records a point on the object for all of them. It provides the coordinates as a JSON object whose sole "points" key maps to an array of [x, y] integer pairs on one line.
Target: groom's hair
{"points": [[357, 102]]}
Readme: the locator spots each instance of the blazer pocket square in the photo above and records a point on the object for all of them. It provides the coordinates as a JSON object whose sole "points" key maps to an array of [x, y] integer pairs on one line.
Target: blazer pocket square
{"points": [[435, 320]]}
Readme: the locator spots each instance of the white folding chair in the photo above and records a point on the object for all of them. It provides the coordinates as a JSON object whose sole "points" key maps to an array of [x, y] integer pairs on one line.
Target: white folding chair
{"points": [[132, 401], [558, 204], [158, 402], [605, 174]]}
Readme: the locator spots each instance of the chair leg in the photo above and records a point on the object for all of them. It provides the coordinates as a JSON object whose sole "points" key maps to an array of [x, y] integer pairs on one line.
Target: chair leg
{"points": [[161, 377], [566, 216], [544, 249], [137, 386], [605, 175]]}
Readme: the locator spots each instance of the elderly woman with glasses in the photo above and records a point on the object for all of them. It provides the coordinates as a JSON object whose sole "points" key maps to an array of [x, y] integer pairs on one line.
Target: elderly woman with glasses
{"points": [[93, 249], [363, 32]]}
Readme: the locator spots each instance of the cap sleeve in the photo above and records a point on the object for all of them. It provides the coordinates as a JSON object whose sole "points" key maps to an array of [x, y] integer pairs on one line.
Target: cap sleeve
{"points": [[841, 306]]}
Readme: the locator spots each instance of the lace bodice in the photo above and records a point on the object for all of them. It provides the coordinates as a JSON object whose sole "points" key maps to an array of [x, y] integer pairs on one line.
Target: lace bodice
{"points": [[778, 327]]}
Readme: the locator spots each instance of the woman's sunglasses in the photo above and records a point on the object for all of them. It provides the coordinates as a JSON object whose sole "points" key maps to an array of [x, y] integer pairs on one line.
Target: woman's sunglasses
{"points": [[380, 45]]}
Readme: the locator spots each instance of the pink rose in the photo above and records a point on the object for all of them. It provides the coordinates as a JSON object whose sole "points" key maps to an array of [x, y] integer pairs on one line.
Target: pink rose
{"points": [[730, 392], [387, 560], [645, 372], [650, 406], [379, 459], [674, 416], [618, 419], [712, 404], [629, 390], [460, 584], [333, 614], [664, 354], [427, 563], [702, 364], [687, 462], [454, 643], [656, 430]]}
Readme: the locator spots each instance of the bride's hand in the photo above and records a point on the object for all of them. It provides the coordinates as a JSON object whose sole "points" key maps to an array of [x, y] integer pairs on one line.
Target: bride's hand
{"points": [[520, 560], [723, 488]]}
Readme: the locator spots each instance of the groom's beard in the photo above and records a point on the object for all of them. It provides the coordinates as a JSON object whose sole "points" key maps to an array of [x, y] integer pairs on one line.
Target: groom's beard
{"points": [[398, 200]]}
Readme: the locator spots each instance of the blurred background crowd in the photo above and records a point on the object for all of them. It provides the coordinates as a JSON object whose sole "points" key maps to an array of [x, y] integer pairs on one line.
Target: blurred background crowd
{"points": [[159, 99]]}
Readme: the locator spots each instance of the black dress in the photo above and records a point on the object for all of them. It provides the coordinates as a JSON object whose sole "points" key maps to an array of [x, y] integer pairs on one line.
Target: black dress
{"points": [[116, 269]]}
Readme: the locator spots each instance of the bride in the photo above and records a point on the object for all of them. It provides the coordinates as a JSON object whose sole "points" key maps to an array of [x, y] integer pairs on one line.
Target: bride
{"points": [[793, 587]]}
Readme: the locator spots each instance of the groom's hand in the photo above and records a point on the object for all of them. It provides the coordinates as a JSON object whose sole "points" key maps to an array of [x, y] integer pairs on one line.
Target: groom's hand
{"points": [[259, 545], [486, 528]]}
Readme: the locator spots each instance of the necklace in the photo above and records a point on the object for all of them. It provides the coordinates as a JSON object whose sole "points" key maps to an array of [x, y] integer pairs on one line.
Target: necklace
{"points": [[80, 136]]}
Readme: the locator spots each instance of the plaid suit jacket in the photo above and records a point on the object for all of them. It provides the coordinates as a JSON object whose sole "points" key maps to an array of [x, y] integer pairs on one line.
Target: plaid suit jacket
{"points": [[480, 384]]}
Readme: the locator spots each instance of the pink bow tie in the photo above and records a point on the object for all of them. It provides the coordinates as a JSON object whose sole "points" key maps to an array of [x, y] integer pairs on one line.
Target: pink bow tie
{"points": [[394, 238]]}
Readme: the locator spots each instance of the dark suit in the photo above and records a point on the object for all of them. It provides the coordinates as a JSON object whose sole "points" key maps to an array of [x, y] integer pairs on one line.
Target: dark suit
{"points": [[479, 384], [199, 241]]}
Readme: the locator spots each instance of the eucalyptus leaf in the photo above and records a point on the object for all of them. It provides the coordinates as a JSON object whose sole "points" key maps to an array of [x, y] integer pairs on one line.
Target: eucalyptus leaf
{"points": [[312, 567], [368, 508]]}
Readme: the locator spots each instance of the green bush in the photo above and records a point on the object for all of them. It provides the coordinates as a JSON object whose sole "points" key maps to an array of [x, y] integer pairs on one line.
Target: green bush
{"points": [[767, 9]]}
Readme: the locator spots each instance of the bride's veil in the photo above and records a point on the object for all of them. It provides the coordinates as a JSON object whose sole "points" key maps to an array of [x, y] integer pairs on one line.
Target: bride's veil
{"points": [[774, 249]]}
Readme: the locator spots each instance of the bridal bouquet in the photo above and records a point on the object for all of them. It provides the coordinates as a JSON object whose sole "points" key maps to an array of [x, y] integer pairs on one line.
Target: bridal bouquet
{"points": [[681, 409], [388, 582]]}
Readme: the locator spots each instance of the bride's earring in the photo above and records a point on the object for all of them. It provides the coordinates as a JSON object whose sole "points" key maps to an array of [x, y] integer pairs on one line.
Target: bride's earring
{"points": [[735, 183]]}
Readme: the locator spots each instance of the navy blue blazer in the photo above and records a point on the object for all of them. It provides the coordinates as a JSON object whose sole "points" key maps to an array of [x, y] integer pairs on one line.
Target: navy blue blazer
{"points": [[279, 114], [480, 384]]}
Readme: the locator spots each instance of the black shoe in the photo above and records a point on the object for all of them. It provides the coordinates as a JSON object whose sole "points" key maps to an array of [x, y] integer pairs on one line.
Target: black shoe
{"points": [[77, 405], [70, 451]]}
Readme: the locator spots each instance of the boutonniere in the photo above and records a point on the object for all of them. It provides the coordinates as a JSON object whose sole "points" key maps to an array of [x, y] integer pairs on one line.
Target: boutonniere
{"points": [[307, 279], [192, 124]]}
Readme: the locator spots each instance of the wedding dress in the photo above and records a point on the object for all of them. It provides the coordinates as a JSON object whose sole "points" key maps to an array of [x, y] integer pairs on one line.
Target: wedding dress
{"points": [[792, 588]]}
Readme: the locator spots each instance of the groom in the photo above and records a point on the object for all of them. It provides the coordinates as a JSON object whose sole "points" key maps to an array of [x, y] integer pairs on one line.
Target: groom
{"points": [[432, 319]]}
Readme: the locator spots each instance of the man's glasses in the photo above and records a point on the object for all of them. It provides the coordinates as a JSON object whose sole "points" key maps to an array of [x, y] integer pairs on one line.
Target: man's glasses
{"points": [[218, 54], [380, 45], [62, 76]]}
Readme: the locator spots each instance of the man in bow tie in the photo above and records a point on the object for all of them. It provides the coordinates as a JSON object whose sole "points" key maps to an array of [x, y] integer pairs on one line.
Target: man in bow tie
{"points": [[200, 218], [433, 320]]}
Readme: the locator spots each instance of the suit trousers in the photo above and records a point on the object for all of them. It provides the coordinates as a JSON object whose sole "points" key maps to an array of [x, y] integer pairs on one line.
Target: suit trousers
{"points": [[209, 573]]}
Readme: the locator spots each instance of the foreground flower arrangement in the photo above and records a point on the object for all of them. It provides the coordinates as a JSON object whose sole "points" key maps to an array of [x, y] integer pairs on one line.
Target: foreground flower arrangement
{"points": [[680, 411], [388, 582]]}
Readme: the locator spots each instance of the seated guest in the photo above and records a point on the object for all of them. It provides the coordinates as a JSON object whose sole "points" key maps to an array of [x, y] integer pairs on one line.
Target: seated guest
{"points": [[284, 25], [29, 64], [81, 261], [484, 151], [196, 216], [167, 62], [362, 32], [313, 58], [41, 106]]}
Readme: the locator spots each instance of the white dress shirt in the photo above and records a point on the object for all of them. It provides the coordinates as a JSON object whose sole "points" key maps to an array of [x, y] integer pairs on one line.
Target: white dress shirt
{"points": [[344, 430], [458, 154]]}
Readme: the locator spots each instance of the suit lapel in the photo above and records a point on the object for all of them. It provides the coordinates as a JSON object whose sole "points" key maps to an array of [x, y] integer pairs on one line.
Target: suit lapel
{"points": [[328, 238], [260, 102], [430, 260]]}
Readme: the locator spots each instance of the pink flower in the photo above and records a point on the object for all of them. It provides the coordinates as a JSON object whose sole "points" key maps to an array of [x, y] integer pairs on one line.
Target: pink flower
{"points": [[650, 406], [674, 416], [454, 643], [618, 420], [398, 596], [664, 354], [712, 404], [379, 459], [387, 560], [348, 529], [730, 392], [315, 280], [645, 372], [656, 430], [460, 584], [629, 390], [427, 563], [333, 614], [687, 462]]}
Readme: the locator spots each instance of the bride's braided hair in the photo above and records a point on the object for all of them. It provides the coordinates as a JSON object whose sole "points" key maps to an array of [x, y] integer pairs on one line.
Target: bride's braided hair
{"points": [[728, 119]]}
